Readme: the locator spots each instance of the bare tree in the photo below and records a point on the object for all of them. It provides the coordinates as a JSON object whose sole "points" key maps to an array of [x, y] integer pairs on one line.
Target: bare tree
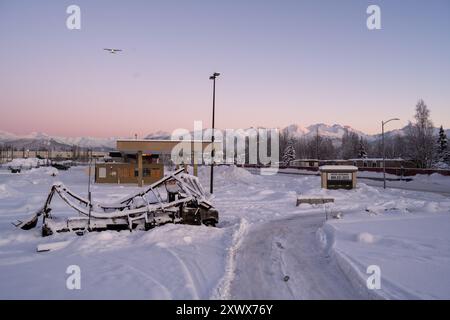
{"points": [[350, 145], [420, 137]]}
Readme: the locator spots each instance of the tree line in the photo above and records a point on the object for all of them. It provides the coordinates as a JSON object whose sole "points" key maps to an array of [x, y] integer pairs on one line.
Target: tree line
{"points": [[418, 143]]}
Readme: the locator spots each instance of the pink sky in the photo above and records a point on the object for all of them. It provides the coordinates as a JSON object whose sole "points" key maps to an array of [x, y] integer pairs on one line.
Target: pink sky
{"points": [[280, 65]]}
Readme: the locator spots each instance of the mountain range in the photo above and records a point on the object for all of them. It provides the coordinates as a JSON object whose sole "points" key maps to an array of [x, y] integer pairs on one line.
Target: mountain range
{"points": [[38, 140]]}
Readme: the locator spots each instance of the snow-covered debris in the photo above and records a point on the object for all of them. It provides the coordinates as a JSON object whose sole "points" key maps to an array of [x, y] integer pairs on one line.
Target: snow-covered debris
{"points": [[52, 246], [26, 163], [183, 201]]}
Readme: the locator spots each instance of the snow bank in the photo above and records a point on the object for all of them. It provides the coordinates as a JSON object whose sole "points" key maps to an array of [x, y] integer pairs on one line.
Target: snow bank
{"points": [[51, 171], [222, 291], [434, 178], [412, 251], [26, 163], [227, 174]]}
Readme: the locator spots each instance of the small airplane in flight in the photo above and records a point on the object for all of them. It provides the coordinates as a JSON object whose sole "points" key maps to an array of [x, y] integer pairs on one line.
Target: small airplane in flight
{"points": [[112, 50]]}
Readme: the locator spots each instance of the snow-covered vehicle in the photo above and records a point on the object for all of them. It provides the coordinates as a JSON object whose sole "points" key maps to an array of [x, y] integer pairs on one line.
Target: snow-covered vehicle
{"points": [[15, 169], [176, 198], [60, 166]]}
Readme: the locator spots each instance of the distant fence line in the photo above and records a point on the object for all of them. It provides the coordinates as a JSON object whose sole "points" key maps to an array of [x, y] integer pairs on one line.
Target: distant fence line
{"points": [[406, 172]]}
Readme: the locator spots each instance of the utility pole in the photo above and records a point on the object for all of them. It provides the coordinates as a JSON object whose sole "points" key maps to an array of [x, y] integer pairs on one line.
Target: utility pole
{"points": [[213, 78], [317, 143]]}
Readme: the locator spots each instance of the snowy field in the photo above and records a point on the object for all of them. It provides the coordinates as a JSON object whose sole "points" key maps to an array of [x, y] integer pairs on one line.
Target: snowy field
{"points": [[422, 182], [264, 246]]}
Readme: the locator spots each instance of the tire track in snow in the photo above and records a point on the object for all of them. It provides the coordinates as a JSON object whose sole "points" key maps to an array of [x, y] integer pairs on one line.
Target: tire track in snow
{"points": [[167, 293], [222, 291], [187, 274], [278, 245], [260, 267]]}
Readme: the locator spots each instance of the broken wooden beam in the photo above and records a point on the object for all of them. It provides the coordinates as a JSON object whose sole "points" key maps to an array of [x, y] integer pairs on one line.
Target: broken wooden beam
{"points": [[313, 200], [52, 246]]}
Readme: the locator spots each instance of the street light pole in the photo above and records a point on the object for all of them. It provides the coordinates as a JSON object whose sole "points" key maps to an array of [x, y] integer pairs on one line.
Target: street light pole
{"points": [[213, 78], [89, 190], [384, 150]]}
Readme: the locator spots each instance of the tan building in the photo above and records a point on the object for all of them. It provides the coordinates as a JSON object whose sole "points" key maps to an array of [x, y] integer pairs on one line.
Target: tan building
{"points": [[128, 170], [141, 162]]}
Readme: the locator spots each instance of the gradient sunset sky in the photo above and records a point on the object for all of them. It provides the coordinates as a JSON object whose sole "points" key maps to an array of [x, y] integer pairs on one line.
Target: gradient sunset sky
{"points": [[282, 62]]}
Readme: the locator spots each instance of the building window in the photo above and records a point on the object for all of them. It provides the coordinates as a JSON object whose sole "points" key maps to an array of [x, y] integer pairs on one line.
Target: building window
{"points": [[102, 172], [146, 172]]}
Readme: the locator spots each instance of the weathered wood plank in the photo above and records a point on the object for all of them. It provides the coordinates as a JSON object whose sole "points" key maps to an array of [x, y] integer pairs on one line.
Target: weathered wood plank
{"points": [[313, 200]]}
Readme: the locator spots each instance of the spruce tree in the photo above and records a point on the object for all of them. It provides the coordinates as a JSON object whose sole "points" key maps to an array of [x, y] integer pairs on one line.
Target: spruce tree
{"points": [[443, 153], [289, 153], [362, 154]]}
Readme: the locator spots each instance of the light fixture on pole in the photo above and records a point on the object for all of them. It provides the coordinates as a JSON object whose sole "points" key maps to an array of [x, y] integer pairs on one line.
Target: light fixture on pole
{"points": [[384, 150], [213, 78]]}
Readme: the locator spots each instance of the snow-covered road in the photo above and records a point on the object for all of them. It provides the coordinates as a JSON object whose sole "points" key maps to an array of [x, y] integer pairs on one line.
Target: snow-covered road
{"points": [[283, 260]]}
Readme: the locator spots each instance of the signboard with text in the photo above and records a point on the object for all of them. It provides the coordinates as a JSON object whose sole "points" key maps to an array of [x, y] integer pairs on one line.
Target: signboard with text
{"points": [[339, 180], [339, 176]]}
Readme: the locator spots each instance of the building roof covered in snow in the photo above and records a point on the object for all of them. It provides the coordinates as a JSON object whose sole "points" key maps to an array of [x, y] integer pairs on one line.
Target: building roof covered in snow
{"points": [[338, 168]]}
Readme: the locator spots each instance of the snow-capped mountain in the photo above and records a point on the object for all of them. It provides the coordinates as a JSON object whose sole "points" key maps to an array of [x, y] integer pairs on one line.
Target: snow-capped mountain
{"points": [[334, 132], [89, 142], [39, 140], [402, 132], [37, 135], [6, 136]]}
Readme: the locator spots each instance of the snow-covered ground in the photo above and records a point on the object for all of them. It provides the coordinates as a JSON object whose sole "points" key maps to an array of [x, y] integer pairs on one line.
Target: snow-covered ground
{"points": [[405, 233], [422, 182]]}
